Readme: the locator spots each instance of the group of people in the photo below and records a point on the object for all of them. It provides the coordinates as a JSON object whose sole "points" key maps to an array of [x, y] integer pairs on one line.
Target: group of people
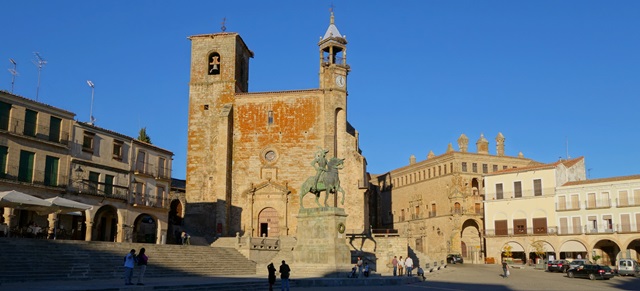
{"points": [[361, 268], [402, 266], [284, 275], [130, 261]]}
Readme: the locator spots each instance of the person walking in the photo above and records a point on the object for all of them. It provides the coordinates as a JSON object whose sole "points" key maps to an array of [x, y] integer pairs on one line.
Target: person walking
{"points": [[272, 275], [400, 266], [284, 275], [129, 263], [359, 263], [505, 270], [142, 263], [408, 265], [394, 263]]}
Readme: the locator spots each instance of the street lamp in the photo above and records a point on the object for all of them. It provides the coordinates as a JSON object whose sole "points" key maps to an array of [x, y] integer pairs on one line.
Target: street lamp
{"points": [[79, 172], [91, 119]]}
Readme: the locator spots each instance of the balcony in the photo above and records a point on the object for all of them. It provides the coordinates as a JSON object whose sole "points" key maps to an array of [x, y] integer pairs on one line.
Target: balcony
{"points": [[102, 190], [597, 204], [621, 204], [530, 231], [141, 168], [41, 132], [525, 193], [164, 174], [567, 207], [37, 177], [139, 200]]}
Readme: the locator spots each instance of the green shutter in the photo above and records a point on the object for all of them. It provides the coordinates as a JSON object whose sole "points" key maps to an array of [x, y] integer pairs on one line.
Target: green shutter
{"points": [[5, 112], [30, 121], [54, 129], [51, 171], [93, 181], [4, 151], [25, 172], [108, 184]]}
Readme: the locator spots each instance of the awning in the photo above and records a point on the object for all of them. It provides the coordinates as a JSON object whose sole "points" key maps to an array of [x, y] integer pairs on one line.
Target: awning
{"points": [[19, 200], [515, 247], [64, 205], [573, 246]]}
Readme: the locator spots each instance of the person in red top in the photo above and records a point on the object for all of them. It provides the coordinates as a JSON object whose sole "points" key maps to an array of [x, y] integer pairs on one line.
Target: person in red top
{"points": [[142, 262]]}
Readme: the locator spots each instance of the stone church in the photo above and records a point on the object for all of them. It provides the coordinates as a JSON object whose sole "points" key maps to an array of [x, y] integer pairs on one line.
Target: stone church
{"points": [[250, 152]]}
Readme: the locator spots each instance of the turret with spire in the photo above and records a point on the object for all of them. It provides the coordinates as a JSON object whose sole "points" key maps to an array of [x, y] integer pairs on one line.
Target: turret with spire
{"points": [[482, 145], [333, 58]]}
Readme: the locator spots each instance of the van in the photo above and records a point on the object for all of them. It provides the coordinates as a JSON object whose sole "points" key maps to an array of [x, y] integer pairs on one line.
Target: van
{"points": [[628, 267]]}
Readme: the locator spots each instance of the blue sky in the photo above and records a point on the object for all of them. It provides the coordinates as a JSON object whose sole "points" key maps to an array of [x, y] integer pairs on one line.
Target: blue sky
{"points": [[423, 72]]}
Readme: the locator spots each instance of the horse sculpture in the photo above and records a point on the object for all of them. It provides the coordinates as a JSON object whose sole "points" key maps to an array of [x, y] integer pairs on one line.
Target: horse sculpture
{"points": [[328, 182]]}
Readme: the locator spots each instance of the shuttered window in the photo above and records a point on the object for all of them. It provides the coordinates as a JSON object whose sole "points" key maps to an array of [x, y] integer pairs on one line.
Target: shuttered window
{"points": [[623, 198], [577, 226], [5, 113], [25, 170], [517, 189], [537, 187], [51, 171], [499, 193], [501, 227], [564, 225], [625, 222], [54, 129], [30, 122], [519, 226], [4, 152], [540, 225]]}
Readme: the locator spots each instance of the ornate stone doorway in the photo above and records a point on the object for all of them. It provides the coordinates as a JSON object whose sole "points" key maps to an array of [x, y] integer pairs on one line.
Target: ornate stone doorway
{"points": [[268, 222]]}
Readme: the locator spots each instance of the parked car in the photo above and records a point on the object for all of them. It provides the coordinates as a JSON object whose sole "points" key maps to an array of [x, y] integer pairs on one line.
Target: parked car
{"points": [[628, 267], [591, 271], [579, 262], [558, 266], [454, 259]]}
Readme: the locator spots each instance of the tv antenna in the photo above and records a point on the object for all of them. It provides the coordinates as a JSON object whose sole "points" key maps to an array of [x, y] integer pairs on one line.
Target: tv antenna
{"points": [[223, 28], [91, 119], [40, 62], [13, 72]]}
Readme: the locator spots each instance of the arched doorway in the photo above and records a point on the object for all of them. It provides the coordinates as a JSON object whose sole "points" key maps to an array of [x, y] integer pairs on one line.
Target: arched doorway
{"points": [[268, 222], [475, 187], [572, 249], [145, 229], [632, 251], [105, 224], [539, 251], [514, 252], [175, 221], [471, 242]]}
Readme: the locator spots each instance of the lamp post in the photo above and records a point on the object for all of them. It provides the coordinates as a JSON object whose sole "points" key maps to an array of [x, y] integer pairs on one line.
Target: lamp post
{"points": [[79, 172], [91, 119]]}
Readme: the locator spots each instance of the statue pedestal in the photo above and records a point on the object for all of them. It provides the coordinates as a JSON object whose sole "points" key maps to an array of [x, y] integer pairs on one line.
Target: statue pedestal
{"points": [[321, 250]]}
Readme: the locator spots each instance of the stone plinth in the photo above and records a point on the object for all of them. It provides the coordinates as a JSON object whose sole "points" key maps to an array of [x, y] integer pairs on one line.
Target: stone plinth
{"points": [[321, 249]]}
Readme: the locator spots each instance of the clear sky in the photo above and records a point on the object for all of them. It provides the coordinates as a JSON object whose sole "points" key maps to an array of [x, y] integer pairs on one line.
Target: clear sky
{"points": [[552, 76]]}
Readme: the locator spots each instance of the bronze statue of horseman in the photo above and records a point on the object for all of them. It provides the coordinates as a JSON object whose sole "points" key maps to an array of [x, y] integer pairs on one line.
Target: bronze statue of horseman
{"points": [[326, 178]]}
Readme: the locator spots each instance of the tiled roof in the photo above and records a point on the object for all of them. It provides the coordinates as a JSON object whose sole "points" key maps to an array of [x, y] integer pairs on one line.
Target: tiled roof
{"points": [[566, 163], [34, 101], [603, 180]]}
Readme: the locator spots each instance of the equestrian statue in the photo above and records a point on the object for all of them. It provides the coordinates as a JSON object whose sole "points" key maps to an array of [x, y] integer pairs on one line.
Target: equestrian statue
{"points": [[326, 178]]}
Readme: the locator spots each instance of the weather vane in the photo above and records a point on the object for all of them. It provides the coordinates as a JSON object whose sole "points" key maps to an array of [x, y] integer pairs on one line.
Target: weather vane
{"points": [[331, 7], [223, 28]]}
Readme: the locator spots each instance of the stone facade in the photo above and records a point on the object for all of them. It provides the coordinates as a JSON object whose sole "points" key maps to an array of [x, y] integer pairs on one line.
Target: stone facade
{"points": [[436, 204], [249, 153], [45, 153]]}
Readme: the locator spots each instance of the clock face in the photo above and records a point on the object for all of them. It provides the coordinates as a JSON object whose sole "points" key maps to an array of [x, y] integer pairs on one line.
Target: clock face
{"points": [[340, 81]]}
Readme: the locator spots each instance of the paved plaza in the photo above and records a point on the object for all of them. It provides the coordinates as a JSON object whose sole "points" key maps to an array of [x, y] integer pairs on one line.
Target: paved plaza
{"points": [[453, 278]]}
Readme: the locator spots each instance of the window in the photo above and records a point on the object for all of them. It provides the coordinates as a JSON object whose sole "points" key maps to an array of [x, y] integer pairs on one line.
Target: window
{"points": [[4, 153], [162, 163], [25, 170], [429, 171], [117, 150], [623, 198], [159, 196], [593, 223], [625, 222], [270, 117], [474, 167], [591, 200], [93, 182], [418, 211], [517, 189], [519, 226], [564, 226], [485, 168], [608, 223], [140, 161], [575, 201], [537, 187], [576, 225], [540, 225], [30, 122], [457, 209], [464, 166], [51, 171], [499, 194], [87, 142], [54, 129], [433, 210], [501, 227], [402, 215], [108, 184], [504, 167], [450, 167], [478, 208], [439, 170], [495, 168], [139, 193], [5, 112], [562, 203], [604, 199]]}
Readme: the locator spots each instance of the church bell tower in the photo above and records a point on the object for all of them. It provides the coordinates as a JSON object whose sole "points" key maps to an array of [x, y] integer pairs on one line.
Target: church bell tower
{"points": [[333, 59]]}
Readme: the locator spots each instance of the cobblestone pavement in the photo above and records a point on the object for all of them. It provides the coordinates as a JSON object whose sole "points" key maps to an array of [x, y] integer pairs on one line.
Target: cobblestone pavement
{"points": [[489, 277]]}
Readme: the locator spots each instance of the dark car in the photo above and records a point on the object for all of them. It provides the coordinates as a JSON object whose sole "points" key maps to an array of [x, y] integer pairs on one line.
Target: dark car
{"points": [[454, 259], [591, 271], [558, 266]]}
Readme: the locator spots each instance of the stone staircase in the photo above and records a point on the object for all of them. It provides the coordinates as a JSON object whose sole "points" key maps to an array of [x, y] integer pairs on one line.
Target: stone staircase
{"points": [[43, 260]]}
